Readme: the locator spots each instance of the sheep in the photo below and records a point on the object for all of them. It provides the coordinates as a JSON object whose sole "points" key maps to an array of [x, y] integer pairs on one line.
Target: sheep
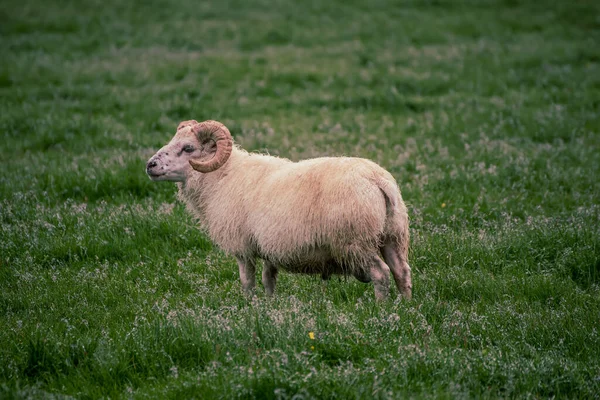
{"points": [[329, 215]]}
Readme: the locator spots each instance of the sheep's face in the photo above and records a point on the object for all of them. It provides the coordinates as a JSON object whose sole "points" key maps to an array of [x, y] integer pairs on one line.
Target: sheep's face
{"points": [[172, 162]]}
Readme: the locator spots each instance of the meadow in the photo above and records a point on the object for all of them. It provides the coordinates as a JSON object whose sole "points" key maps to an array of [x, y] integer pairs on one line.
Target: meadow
{"points": [[486, 112]]}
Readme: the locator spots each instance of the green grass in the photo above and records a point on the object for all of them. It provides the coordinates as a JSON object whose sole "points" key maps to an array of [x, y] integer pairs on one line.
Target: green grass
{"points": [[486, 112]]}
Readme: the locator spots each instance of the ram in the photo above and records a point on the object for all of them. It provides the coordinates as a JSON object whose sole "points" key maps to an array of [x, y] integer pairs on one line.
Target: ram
{"points": [[330, 215]]}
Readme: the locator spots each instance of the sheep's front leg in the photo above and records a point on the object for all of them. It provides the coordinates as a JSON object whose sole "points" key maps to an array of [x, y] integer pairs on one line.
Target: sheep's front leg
{"points": [[269, 277], [247, 277], [380, 275]]}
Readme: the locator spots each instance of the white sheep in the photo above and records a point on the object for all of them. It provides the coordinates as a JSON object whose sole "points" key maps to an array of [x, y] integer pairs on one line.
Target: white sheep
{"points": [[330, 215]]}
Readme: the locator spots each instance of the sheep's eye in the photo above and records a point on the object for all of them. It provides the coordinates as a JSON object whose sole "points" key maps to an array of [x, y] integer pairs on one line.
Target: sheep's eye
{"points": [[188, 148]]}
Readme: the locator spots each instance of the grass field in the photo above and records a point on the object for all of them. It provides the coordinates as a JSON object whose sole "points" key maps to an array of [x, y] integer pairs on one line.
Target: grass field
{"points": [[486, 112]]}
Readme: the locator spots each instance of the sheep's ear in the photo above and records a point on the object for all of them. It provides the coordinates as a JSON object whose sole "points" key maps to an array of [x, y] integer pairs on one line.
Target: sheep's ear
{"points": [[185, 124]]}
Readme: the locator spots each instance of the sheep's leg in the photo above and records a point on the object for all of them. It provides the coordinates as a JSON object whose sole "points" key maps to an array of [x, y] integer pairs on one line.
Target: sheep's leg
{"points": [[269, 277], [396, 260], [362, 276], [327, 270], [380, 275], [247, 274]]}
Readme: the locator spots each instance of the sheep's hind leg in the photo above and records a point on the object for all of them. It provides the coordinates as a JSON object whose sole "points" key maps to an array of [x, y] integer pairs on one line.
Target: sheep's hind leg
{"points": [[362, 276], [269, 277], [380, 275], [247, 274], [393, 256]]}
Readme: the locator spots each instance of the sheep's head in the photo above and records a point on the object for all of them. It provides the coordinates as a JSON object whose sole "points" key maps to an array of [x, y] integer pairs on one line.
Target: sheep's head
{"points": [[197, 146]]}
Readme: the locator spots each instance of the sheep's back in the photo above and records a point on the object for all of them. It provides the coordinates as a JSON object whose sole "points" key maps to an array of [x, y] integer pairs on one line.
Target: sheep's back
{"points": [[327, 204]]}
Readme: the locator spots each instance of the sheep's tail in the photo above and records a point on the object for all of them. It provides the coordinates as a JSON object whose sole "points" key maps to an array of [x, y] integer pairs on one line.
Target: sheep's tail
{"points": [[395, 240], [390, 192], [396, 225]]}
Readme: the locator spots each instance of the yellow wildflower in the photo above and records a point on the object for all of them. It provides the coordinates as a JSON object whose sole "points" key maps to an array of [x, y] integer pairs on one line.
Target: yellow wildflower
{"points": [[311, 335], [443, 205]]}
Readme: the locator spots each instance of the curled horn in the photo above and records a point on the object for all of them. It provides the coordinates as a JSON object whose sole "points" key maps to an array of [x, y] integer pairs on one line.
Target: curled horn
{"points": [[219, 133]]}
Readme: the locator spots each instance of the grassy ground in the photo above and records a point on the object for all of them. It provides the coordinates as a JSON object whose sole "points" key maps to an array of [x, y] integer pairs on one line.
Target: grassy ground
{"points": [[486, 112]]}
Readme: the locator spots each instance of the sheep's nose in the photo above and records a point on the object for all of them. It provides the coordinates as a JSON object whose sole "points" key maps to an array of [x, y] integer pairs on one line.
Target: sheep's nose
{"points": [[151, 164]]}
